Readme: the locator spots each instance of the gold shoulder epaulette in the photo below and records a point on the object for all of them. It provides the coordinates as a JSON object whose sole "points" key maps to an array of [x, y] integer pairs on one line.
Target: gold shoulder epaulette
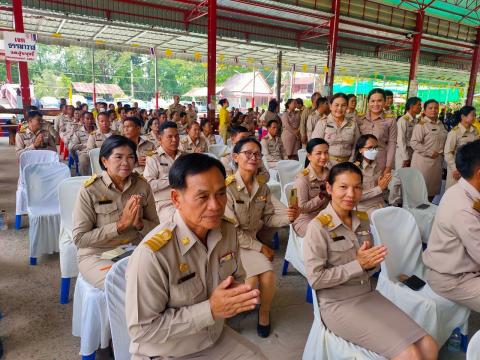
{"points": [[357, 163], [261, 179], [23, 128], [325, 220], [229, 179], [150, 152], [90, 180], [184, 141], [455, 128], [361, 114], [305, 172], [159, 240], [140, 176], [362, 215], [228, 219], [476, 205]]}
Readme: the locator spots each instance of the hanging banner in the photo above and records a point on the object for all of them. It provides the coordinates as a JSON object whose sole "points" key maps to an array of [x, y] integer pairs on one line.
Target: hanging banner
{"points": [[20, 46]]}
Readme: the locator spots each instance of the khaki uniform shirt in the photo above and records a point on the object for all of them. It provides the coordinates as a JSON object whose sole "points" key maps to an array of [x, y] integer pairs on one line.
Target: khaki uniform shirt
{"points": [[144, 148], [25, 139], [330, 254], [188, 146], [79, 139], [98, 208], [231, 167], [170, 277], [96, 139], [182, 128], [306, 112], [273, 150], [405, 127], [71, 128], [453, 243], [156, 172], [47, 125], [60, 124], [251, 211], [210, 139], [117, 125], [352, 115], [153, 139], [172, 107], [191, 115], [312, 196], [341, 139], [457, 137], [312, 122], [428, 136], [384, 128], [372, 194]]}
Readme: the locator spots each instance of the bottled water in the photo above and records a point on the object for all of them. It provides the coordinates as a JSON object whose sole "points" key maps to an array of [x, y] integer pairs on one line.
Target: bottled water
{"points": [[455, 341]]}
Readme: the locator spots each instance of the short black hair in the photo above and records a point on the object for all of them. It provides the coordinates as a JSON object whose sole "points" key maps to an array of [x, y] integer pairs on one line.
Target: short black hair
{"points": [[351, 96], [337, 96], [222, 101], [183, 114], [428, 102], [135, 120], [34, 113], [272, 105], [113, 142], [376, 91], [341, 168], [204, 122], [299, 101], [467, 159], [411, 101], [239, 145], [270, 122], [167, 125], [388, 93], [87, 113], [191, 164], [237, 130], [311, 145]]}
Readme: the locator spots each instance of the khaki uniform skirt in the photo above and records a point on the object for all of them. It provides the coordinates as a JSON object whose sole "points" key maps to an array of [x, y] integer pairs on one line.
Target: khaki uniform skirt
{"points": [[254, 262]]}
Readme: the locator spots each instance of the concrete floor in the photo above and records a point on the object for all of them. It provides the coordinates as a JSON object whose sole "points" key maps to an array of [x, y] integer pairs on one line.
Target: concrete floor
{"points": [[36, 326]]}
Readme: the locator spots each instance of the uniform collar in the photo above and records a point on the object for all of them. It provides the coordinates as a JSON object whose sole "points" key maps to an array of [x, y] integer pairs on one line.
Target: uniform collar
{"points": [[241, 185], [473, 193], [409, 117], [365, 164], [430, 120], [336, 222], [186, 238], [191, 142], [109, 183], [312, 175], [464, 130], [369, 116], [344, 122]]}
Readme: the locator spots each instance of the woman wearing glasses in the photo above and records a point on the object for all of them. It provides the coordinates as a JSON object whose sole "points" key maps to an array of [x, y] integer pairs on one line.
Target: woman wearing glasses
{"points": [[374, 182], [249, 204]]}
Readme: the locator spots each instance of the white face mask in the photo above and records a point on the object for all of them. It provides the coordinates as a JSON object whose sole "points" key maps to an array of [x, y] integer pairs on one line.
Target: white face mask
{"points": [[370, 154]]}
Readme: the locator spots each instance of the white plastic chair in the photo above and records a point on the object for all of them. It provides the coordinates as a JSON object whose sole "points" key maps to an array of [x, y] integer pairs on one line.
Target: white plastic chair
{"points": [[473, 350], [218, 150], [115, 285], [27, 158], [287, 170], [322, 344], [219, 140], [396, 229], [414, 193], [302, 155], [42, 182], [94, 156], [90, 318], [67, 194]]}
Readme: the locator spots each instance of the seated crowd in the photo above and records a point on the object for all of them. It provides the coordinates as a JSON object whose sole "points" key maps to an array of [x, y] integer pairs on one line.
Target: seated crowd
{"points": [[203, 224]]}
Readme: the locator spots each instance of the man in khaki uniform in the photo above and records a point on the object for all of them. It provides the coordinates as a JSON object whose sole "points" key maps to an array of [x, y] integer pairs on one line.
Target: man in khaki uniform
{"points": [[272, 146], [387, 109], [341, 139], [186, 276], [78, 143], [193, 142], [33, 137], [320, 114], [132, 127], [72, 126], [158, 166], [306, 112], [453, 254], [191, 114], [176, 106], [460, 135], [60, 124], [104, 131]]}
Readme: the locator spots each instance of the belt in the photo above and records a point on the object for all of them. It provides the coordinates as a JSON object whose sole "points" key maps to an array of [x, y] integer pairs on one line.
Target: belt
{"points": [[340, 158]]}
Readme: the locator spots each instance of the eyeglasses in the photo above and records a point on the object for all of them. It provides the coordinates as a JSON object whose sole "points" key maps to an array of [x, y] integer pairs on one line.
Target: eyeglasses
{"points": [[251, 154]]}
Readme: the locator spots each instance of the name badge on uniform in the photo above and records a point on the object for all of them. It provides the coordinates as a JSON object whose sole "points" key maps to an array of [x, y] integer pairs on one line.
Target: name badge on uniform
{"points": [[329, 126], [185, 278], [105, 202], [338, 238], [164, 164], [434, 129], [227, 257], [240, 201]]}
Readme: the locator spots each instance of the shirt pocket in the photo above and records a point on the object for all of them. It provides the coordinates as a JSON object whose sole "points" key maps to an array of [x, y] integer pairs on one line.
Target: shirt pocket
{"points": [[341, 251], [228, 267], [187, 292], [106, 213]]}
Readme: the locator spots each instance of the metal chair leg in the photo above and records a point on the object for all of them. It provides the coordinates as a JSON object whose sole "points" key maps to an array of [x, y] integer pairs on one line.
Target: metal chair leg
{"points": [[33, 261], [18, 222], [285, 267], [276, 241], [309, 296], [89, 357], [64, 290]]}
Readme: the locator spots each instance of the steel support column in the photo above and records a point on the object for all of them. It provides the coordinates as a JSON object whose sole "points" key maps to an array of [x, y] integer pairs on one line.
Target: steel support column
{"points": [[212, 58], [414, 58], [332, 46], [94, 94], [474, 70], [22, 65], [8, 68], [279, 77]]}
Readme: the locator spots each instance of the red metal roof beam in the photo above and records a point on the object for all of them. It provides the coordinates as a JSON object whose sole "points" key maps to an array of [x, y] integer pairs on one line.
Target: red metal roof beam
{"points": [[312, 32], [5, 8], [196, 13]]}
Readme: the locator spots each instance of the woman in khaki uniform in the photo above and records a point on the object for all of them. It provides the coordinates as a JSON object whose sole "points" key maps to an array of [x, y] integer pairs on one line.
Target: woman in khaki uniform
{"points": [[460, 135], [351, 112], [427, 142], [291, 129], [320, 113], [249, 204], [383, 126], [374, 182], [340, 133], [113, 209], [310, 184], [153, 126], [193, 142], [207, 132], [339, 261]]}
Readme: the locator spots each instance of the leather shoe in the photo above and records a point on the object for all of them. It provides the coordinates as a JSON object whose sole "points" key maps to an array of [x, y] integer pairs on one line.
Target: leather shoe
{"points": [[263, 330]]}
